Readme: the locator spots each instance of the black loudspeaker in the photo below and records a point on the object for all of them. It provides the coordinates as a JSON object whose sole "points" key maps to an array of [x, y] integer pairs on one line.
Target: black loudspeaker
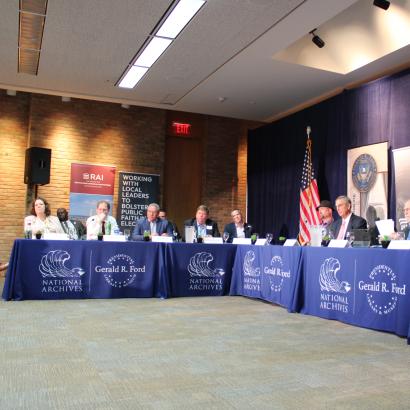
{"points": [[37, 167]]}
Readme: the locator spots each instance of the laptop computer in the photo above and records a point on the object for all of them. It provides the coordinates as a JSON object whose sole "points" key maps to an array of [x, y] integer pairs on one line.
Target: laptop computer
{"points": [[361, 238]]}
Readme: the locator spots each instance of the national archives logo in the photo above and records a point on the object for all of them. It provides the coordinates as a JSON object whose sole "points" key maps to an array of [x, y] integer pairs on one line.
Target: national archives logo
{"points": [[58, 277], [251, 273], [203, 275], [383, 291], [333, 291], [276, 274], [119, 270]]}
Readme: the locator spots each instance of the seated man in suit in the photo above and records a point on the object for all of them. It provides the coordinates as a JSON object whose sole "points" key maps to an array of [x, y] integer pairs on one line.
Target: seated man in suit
{"points": [[406, 210], [202, 224], [238, 228], [347, 221], [97, 223], [152, 224], [163, 215], [74, 229]]}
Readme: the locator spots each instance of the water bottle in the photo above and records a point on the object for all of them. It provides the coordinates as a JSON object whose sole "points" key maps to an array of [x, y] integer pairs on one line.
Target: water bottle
{"points": [[108, 228], [28, 232]]}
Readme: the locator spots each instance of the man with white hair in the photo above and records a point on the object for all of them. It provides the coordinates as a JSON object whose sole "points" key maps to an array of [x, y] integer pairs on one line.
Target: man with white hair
{"points": [[348, 220], [151, 225]]}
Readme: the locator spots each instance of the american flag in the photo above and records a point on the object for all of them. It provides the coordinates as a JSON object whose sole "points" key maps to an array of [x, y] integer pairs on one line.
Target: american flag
{"points": [[309, 196]]}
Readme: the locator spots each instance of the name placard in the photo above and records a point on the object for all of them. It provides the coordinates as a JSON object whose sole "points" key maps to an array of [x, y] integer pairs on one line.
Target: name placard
{"points": [[338, 243], [399, 245], [210, 239], [242, 241], [158, 238], [114, 238], [291, 242], [55, 236]]}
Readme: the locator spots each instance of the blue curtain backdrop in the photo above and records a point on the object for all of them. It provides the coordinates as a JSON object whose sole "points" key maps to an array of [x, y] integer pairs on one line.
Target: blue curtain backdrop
{"points": [[375, 112]]}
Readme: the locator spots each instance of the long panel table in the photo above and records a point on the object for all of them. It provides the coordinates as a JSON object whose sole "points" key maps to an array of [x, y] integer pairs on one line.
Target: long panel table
{"points": [[41, 269], [270, 273], [359, 286], [363, 287]]}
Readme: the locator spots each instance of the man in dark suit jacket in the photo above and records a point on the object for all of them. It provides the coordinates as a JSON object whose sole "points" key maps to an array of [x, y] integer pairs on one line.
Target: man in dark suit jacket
{"points": [[238, 228], [163, 215], [202, 224], [152, 224], [406, 210], [347, 221]]}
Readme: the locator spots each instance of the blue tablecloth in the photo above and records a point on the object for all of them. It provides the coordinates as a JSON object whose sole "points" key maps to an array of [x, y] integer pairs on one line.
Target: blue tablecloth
{"points": [[363, 287], [270, 273], [199, 269], [41, 269]]}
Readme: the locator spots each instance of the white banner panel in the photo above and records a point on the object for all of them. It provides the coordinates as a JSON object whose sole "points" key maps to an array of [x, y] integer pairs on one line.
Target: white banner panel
{"points": [[401, 158], [367, 175]]}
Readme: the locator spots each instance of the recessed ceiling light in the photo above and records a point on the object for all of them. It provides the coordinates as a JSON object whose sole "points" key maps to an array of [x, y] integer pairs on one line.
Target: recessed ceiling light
{"points": [[152, 51], [179, 18], [134, 74]]}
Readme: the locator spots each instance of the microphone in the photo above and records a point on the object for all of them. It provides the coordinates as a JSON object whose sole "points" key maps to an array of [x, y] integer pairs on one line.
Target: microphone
{"points": [[308, 131]]}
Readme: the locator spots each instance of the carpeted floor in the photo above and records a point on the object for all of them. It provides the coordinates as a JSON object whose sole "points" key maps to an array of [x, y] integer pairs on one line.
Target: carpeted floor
{"points": [[193, 353]]}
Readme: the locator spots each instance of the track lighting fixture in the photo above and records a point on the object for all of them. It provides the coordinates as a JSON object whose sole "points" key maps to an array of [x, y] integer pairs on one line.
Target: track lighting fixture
{"points": [[316, 39], [383, 4]]}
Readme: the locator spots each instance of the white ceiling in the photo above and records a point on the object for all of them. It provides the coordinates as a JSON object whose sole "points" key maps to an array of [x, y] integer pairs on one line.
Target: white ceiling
{"points": [[226, 51]]}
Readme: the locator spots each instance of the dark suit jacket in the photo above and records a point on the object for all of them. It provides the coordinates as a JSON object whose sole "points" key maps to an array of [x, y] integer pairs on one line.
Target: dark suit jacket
{"points": [[211, 226], [406, 231], [356, 222], [163, 226], [231, 229]]}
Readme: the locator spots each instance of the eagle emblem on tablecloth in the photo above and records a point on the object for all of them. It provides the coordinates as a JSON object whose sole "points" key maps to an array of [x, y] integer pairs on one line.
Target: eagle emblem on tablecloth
{"points": [[328, 280], [53, 265], [200, 265]]}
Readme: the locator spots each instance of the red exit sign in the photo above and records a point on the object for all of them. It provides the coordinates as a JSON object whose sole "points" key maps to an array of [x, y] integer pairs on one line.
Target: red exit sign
{"points": [[181, 128]]}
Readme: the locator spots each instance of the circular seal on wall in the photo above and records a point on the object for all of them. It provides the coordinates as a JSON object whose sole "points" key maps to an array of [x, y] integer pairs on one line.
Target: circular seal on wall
{"points": [[364, 172]]}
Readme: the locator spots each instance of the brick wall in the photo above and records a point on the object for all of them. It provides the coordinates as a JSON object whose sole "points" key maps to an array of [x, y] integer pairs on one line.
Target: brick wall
{"points": [[14, 114], [225, 161], [89, 131]]}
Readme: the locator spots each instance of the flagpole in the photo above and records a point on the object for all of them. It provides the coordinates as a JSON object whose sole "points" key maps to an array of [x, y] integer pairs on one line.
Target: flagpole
{"points": [[309, 144]]}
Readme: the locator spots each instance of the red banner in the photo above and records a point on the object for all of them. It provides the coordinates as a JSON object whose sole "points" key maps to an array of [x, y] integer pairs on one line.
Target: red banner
{"points": [[92, 179]]}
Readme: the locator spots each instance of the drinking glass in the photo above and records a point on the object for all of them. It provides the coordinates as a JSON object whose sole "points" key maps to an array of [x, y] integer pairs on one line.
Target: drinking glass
{"points": [[225, 237], [127, 234], [400, 236], [269, 238], [175, 234], [254, 238], [350, 238]]}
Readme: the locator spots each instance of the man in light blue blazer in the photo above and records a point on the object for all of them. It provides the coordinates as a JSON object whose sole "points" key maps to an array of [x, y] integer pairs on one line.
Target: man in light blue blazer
{"points": [[152, 224]]}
